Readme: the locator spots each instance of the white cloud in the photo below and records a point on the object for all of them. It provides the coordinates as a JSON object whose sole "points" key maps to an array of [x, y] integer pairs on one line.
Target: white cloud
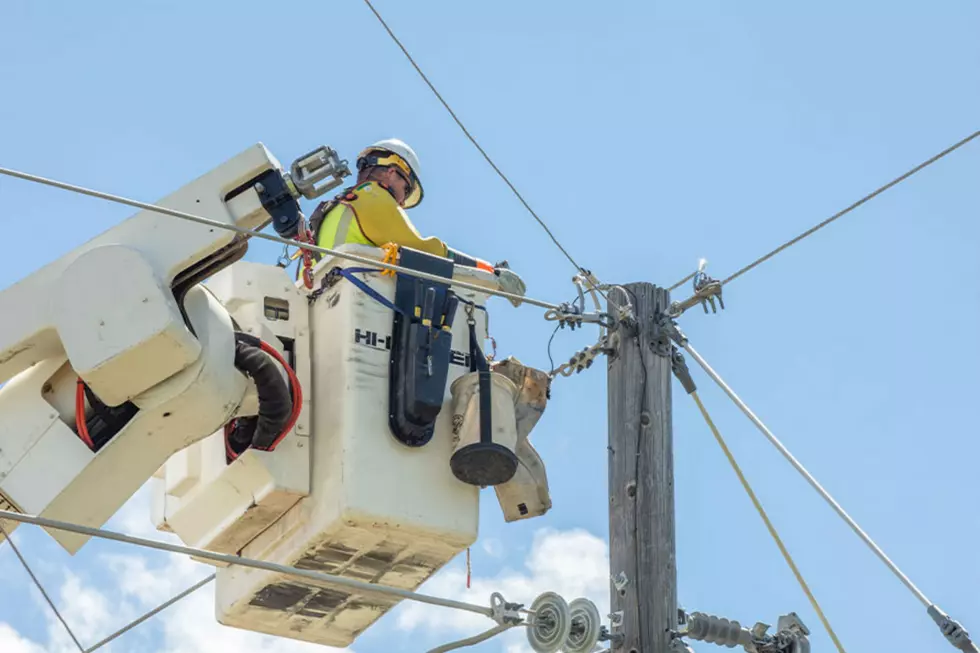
{"points": [[12, 642], [572, 563]]}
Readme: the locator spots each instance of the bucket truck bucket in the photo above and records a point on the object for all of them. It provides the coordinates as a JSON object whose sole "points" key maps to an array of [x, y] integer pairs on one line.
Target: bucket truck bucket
{"points": [[383, 504]]}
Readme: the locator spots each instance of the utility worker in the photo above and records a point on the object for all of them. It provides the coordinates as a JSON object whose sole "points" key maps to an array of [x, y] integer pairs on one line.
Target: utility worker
{"points": [[372, 212]]}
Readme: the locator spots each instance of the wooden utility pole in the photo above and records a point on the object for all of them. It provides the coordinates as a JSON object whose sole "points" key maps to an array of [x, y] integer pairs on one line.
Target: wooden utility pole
{"points": [[641, 478]]}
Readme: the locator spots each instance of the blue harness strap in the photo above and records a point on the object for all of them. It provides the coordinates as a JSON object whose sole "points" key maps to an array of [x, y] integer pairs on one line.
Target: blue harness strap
{"points": [[348, 273]]}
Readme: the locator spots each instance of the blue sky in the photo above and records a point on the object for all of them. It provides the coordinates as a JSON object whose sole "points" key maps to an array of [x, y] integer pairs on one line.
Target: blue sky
{"points": [[647, 135]]}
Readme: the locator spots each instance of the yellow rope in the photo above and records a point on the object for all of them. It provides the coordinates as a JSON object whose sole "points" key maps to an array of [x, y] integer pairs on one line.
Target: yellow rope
{"points": [[390, 256], [765, 518]]}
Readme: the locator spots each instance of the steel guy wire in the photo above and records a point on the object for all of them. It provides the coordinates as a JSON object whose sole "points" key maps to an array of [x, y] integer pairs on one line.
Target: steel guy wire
{"points": [[37, 583], [839, 214], [765, 518], [155, 611], [682, 282], [329, 580], [842, 213], [807, 475], [275, 239], [472, 139]]}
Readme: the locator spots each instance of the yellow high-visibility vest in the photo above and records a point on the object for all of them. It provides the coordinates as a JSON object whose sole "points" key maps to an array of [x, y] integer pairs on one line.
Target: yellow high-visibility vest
{"points": [[369, 215]]}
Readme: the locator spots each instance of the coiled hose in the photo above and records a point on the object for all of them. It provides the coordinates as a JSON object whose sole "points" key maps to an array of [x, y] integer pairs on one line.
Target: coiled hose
{"points": [[279, 403]]}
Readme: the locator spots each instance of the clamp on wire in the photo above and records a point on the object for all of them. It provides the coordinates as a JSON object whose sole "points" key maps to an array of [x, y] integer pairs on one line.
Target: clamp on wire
{"points": [[575, 314], [952, 630], [504, 613], [706, 291]]}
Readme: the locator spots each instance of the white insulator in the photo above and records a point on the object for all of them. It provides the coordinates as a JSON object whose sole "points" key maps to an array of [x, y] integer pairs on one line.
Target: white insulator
{"points": [[586, 625], [551, 624]]}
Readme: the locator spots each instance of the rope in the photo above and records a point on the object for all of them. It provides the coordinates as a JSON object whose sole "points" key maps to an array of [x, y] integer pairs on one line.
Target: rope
{"points": [[809, 477], [476, 639], [225, 559], [39, 586], [850, 208], [275, 239], [160, 608], [765, 518]]}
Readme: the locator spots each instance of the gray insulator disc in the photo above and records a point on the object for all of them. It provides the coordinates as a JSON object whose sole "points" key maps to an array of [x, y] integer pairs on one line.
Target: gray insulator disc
{"points": [[586, 623], [551, 625]]}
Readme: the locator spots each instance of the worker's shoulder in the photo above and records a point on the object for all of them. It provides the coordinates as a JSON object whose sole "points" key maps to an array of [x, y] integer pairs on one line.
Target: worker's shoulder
{"points": [[371, 195], [373, 188]]}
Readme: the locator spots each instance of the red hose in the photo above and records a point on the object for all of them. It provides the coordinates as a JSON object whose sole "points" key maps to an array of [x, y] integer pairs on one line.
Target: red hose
{"points": [[297, 392], [229, 452], [80, 423]]}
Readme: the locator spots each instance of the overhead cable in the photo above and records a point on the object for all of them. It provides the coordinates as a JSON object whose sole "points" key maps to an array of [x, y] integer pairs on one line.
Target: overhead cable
{"points": [[765, 518], [155, 611], [225, 559], [475, 639], [951, 629], [839, 214], [275, 239], [40, 587], [807, 475], [682, 282], [842, 213], [471, 138]]}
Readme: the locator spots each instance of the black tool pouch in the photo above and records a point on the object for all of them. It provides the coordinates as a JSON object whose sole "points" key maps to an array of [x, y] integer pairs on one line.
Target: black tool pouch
{"points": [[421, 348]]}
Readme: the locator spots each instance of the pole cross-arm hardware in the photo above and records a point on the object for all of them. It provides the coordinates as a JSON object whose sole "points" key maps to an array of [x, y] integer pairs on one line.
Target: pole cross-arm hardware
{"points": [[706, 290], [790, 637]]}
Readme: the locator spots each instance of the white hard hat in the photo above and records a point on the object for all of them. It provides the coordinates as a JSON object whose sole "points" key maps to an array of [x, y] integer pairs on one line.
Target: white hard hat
{"points": [[404, 159]]}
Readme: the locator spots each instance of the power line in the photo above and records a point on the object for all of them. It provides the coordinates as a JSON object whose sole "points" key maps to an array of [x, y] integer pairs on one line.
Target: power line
{"points": [[847, 210], [155, 611], [954, 633], [681, 282], [225, 559], [474, 640], [275, 239], [37, 583], [768, 523], [808, 476], [471, 138]]}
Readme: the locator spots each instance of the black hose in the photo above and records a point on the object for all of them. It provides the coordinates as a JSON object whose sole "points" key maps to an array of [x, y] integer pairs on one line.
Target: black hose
{"points": [[275, 399]]}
